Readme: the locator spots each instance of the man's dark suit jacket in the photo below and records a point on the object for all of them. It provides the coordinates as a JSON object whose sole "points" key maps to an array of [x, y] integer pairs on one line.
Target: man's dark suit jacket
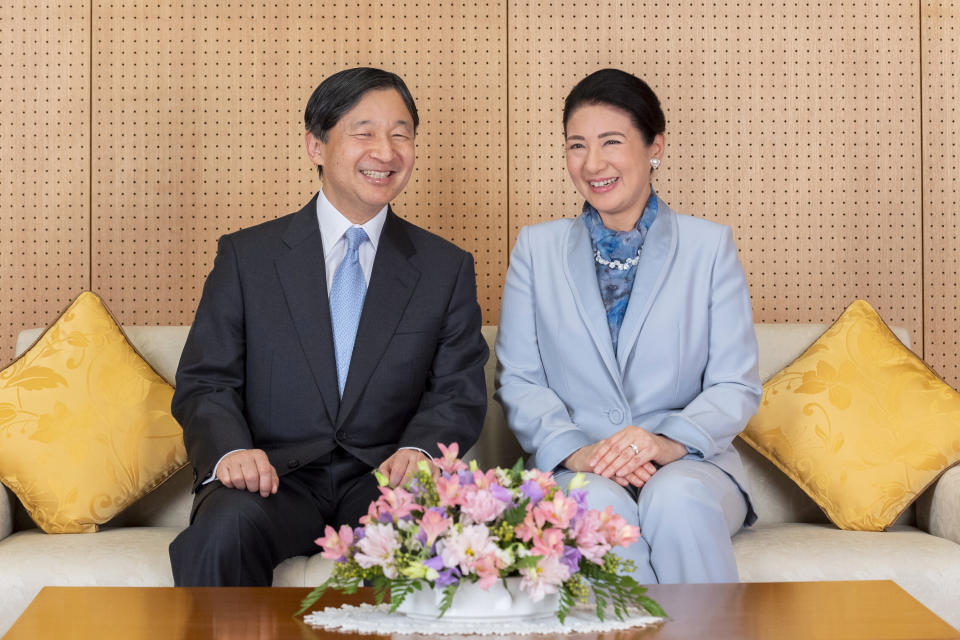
{"points": [[258, 368]]}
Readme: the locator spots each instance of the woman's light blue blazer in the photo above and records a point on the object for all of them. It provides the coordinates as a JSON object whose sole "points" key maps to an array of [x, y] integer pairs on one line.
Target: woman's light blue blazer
{"points": [[686, 365]]}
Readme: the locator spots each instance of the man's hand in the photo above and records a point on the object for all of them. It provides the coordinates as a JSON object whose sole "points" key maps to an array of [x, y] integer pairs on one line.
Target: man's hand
{"points": [[401, 465], [581, 460], [248, 469]]}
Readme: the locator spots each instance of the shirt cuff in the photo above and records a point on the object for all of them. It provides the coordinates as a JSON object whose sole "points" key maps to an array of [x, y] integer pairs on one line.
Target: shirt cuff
{"points": [[213, 474], [417, 449]]}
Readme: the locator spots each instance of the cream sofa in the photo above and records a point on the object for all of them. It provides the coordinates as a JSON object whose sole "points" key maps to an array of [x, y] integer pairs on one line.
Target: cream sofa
{"points": [[792, 541]]}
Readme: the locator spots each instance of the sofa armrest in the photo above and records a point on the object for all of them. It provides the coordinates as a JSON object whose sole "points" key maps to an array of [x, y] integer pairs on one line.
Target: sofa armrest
{"points": [[938, 509], [6, 512]]}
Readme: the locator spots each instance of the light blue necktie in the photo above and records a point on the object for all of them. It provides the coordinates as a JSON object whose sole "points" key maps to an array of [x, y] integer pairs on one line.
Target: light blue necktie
{"points": [[346, 302]]}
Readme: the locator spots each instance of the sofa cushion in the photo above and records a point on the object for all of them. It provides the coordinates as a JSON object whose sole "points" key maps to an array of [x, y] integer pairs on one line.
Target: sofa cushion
{"points": [[925, 566], [129, 556], [85, 423], [859, 423]]}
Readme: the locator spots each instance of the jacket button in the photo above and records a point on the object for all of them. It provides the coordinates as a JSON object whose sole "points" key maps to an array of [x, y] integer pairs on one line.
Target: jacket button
{"points": [[615, 415], [293, 464]]}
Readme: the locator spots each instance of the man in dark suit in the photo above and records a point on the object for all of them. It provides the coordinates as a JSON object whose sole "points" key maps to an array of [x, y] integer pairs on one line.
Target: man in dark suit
{"points": [[327, 343]]}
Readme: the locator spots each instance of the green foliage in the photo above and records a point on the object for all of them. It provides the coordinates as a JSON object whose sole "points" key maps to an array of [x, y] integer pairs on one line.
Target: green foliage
{"points": [[652, 607], [447, 600], [312, 597], [620, 591], [515, 515], [567, 600], [398, 588], [515, 473], [527, 562], [430, 497], [380, 590]]}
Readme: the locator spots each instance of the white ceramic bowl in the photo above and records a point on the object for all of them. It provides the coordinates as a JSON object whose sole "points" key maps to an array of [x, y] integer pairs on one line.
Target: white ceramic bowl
{"points": [[471, 604]]}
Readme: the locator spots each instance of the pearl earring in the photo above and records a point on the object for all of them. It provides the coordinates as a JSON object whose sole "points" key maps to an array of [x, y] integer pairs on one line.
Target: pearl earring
{"points": [[655, 163]]}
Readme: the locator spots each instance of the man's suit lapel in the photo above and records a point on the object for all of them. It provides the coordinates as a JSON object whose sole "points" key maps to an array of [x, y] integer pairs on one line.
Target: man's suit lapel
{"points": [[392, 282], [304, 281], [582, 274], [659, 248]]}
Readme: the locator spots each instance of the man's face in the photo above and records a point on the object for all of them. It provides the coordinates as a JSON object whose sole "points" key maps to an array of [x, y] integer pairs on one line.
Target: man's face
{"points": [[368, 156]]}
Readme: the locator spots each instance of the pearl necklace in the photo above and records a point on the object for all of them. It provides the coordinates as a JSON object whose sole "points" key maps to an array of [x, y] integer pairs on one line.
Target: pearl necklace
{"points": [[616, 264]]}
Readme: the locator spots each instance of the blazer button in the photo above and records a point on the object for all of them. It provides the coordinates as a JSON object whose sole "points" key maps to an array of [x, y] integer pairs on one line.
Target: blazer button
{"points": [[615, 415], [293, 464]]}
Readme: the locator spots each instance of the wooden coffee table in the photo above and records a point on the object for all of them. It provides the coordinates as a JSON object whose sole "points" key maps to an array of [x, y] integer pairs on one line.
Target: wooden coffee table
{"points": [[874, 610]]}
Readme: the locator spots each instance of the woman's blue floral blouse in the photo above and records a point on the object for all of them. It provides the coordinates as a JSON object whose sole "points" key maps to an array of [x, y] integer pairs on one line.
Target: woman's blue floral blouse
{"points": [[615, 285]]}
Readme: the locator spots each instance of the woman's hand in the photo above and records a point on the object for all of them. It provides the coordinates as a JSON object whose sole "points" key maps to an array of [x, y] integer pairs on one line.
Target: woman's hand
{"points": [[580, 459], [630, 451]]}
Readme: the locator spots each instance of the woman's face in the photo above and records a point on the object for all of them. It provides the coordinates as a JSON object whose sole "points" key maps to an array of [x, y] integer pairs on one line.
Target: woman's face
{"points": [[609, 162]]}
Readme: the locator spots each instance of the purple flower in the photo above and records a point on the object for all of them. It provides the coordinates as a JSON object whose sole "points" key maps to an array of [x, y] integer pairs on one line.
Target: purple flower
{"points": [[571, 558], [532, 490], [359, 533], [448, 577], [580, 497], [435, 563], [416, 488], [421, 537], [386, 517], [465, 477], [502, 494]]}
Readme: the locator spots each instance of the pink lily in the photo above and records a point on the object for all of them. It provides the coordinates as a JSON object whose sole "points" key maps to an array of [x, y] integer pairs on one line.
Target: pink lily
{"points": [[548, 543], [558, 511], [336, 546], [397, 502], [449, 462], [449, 491], [434, 523], [488, 569]]}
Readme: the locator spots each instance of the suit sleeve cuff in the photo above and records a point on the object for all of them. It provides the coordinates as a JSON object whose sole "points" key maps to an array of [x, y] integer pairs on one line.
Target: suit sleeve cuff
{"points": [[678, 428], [552, 453]]}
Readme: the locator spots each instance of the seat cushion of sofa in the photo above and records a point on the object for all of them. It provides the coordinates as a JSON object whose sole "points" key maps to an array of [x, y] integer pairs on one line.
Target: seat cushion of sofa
{"points": [[31, 559], [925, 566], [127, 556]]}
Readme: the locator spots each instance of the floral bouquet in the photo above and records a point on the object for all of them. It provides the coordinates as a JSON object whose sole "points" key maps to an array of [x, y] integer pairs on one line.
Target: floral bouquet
{"points": [[463, 524]]}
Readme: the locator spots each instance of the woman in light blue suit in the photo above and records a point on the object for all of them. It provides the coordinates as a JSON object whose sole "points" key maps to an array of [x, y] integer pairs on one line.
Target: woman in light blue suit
{"points": [[626, 347]]}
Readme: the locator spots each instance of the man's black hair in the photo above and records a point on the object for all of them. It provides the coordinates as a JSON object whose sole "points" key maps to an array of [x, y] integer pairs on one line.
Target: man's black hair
{"points": [[340, 92]]}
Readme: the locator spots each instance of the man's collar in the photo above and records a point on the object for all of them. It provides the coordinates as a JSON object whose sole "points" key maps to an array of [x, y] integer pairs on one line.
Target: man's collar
{"points": [[333, 225]]}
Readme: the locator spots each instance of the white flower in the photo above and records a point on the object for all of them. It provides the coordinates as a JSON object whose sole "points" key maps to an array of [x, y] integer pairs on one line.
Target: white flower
{"points": [[545, 578], [462, 549], [377, 547]]}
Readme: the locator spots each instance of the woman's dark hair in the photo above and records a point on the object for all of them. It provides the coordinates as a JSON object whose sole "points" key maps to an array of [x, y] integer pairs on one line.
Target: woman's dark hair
{"points": [[621, 90], [340, 92]]}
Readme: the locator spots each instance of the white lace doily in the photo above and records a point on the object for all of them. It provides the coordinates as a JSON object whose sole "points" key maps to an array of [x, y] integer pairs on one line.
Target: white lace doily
{"points": [[369, 618]]}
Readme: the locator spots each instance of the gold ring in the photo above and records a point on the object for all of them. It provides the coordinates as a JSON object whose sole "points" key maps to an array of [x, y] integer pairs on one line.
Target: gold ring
{"points": [[634, 447]]}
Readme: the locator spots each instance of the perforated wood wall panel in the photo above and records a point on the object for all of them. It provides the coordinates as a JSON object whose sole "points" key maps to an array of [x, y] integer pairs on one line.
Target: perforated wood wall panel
{"points": [[198, 109], [941, 179], [798, 124], [44, 159]]}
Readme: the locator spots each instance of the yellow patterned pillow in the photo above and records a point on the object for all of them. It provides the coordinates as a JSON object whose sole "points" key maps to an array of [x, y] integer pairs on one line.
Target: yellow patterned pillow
{"points": [[85, 424], [859, 422]]}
